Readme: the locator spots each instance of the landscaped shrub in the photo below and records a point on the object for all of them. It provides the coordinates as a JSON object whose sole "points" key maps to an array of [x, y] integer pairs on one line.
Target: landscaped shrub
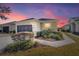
{"points": [[19, 45], [38, 34], [59, 35], [12, 31], [48, 34], [44, 34]]}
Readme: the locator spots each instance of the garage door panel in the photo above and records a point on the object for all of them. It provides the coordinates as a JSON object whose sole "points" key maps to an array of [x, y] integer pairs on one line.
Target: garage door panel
{"points": [[22, 28]]}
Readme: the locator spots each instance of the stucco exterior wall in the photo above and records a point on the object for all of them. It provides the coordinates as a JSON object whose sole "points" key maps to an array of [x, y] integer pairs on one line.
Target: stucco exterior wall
{"points": [[77, 27], [71, 28]]}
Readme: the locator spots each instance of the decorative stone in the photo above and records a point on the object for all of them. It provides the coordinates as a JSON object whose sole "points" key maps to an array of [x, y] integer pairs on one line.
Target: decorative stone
{"points": [[22, 36]]}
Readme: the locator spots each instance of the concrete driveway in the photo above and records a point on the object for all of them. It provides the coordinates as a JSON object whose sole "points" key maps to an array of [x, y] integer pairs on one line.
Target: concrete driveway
{"points": [[4, 40]]}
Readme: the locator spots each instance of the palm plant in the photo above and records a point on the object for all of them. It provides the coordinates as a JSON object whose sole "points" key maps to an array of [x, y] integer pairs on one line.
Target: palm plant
{"points": [[4, 10]]}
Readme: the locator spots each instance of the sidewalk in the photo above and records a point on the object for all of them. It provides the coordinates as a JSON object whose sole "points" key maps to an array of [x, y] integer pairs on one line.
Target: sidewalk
{"points": [[67, 40]]}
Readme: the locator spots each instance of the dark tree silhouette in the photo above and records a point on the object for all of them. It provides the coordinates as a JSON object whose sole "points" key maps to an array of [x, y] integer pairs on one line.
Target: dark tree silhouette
{"points": [[4, 10]]}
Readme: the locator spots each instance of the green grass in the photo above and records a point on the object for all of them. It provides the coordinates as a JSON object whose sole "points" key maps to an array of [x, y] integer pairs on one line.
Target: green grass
{"points": [[68, 50]]}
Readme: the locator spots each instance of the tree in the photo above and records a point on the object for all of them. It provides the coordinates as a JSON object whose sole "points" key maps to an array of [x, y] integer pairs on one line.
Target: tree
{"points": [[4, 10]]}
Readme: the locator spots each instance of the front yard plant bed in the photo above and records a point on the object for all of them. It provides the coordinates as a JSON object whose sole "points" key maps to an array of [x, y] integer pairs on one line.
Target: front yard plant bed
{"points": [[49, 35], [20, 45], [67, 50], [47, 39]]}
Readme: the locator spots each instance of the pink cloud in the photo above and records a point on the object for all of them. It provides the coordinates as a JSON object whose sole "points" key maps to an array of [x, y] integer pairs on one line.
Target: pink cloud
{"points": [[14, 16], [48, 13], [61, 21]]}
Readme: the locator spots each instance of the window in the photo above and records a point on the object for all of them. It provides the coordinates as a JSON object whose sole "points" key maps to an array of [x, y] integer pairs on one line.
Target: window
{"points": [[22, 28]]}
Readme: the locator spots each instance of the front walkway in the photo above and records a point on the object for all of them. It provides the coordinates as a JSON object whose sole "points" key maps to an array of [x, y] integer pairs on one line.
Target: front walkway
{"points": [[67, 40]]}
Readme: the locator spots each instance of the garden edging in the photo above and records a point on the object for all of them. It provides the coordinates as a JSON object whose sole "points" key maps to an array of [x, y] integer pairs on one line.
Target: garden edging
{"points": [[67, 40]]}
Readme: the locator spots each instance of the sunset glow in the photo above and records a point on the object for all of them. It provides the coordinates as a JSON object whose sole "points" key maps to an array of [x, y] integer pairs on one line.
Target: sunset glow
{"points": [[61, 21], [14, 17], [60, 12]]}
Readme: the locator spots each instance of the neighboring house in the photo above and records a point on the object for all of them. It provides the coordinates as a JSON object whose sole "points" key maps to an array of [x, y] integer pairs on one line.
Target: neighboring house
{"points": [[73, 25], [66, 28], [29, 25]]}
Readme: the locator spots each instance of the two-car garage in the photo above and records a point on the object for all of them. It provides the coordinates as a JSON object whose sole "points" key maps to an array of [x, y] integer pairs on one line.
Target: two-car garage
{"points": [[20, 28]]}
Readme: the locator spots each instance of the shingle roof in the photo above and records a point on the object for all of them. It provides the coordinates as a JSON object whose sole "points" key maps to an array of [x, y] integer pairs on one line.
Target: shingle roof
{"points": [[44, 19], [41, 19]]}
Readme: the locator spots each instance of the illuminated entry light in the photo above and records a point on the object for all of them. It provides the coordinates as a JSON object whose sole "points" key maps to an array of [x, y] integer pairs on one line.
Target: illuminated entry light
{"points": [[47, 25]]}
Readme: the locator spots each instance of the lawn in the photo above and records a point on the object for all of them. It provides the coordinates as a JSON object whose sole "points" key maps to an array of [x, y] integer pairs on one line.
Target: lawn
{"points": [[68, 50]]}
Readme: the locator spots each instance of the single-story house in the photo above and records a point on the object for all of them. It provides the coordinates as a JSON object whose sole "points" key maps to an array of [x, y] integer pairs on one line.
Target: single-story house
{"points": [[29, 25], [66, 28]]}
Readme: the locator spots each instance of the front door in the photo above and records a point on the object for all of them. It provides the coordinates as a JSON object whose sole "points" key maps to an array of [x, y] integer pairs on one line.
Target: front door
{"points": [[6, 29]]}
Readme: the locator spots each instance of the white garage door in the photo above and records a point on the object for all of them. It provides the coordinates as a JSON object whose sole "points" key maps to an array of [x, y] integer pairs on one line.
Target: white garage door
{"points": [[23, 28]]}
